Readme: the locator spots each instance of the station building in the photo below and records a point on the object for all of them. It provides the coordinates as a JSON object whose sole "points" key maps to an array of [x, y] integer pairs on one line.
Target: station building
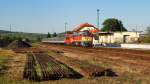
{"points": [[116, 37]]}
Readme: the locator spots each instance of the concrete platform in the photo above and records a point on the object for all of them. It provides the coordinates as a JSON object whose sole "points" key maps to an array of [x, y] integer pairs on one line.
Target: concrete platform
{"points": [[136, 46]]}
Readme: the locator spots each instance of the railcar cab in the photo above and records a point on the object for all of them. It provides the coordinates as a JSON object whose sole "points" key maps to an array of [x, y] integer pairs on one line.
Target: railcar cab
{"points": [[68, 38], [82, 38]]}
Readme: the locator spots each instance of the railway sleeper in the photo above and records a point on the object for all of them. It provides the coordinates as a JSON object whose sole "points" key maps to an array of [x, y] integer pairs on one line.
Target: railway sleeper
{"points": [[52, 71]]}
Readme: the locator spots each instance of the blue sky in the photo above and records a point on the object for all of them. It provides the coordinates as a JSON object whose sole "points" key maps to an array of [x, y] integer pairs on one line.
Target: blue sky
{"points": [[44, 16]]}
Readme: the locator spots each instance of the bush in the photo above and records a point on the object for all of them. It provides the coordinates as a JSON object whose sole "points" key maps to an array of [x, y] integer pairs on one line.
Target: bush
{"points": [[145, 39]]}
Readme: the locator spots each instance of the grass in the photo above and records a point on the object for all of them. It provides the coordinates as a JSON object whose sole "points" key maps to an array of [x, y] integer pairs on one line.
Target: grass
{"points": [[126, 79], [2, 65], [38, 70]]}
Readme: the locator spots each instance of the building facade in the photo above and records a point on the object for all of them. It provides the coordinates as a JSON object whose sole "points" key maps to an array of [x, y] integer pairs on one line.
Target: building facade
{"points": [[116, 37]]}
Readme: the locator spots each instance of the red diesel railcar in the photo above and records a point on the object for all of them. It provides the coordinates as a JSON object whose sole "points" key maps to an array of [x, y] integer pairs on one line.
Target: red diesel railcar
{"points": [[79, 39], [81, 36]]}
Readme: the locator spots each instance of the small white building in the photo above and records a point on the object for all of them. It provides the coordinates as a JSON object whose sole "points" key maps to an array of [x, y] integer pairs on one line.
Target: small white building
{"points": [[116, 37]]}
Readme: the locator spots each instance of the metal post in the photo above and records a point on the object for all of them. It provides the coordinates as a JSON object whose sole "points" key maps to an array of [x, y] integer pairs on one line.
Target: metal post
{"points": [[66, 27], [10, 27], [121, 29], [98, 18], [136, 32]]}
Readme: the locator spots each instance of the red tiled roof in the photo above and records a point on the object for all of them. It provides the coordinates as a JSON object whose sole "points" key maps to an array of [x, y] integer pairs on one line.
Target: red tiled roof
{"points": [[82, 26]]}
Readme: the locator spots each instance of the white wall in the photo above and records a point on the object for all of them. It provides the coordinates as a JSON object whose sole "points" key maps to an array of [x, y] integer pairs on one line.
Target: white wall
{"points": [[117, 37], [133, 36], [87, 28]]}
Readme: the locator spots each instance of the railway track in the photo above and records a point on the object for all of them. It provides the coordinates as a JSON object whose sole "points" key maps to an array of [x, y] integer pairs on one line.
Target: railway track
{"points": [[26, 50], [120, 59], [138, 54], [117, 50]]}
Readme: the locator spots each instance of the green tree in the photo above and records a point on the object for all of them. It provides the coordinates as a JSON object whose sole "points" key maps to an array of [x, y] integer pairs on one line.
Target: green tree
{"points": [[0, 37], [19, 38], [113, 25], [27, 40], [39, 39], [54, 34], [145, 38], [148, 31], [48, 35], [14, 38], [6, 37]]}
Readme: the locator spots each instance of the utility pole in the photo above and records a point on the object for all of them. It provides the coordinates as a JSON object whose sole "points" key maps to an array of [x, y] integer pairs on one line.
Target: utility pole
{"points": [[66, 27], [136, 31], [98, 23], [136, 28], [98, 18], [10, 27], [121, 29]]}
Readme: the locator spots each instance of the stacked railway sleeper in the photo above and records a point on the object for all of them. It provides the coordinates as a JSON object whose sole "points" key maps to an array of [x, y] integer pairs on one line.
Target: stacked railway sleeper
{"points": [[83, 67], [40, 66], [30, 72]]}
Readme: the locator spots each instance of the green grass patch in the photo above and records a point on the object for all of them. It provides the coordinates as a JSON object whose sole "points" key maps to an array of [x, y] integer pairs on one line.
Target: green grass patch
{"points": [[3, 67], [38, 70]]}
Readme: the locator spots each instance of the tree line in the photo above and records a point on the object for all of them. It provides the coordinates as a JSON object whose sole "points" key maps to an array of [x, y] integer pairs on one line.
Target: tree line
{"points": [[51, 35]]}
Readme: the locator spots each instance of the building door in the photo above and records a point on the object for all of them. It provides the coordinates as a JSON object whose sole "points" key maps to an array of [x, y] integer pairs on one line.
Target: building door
{"points": [[125, 38]]}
